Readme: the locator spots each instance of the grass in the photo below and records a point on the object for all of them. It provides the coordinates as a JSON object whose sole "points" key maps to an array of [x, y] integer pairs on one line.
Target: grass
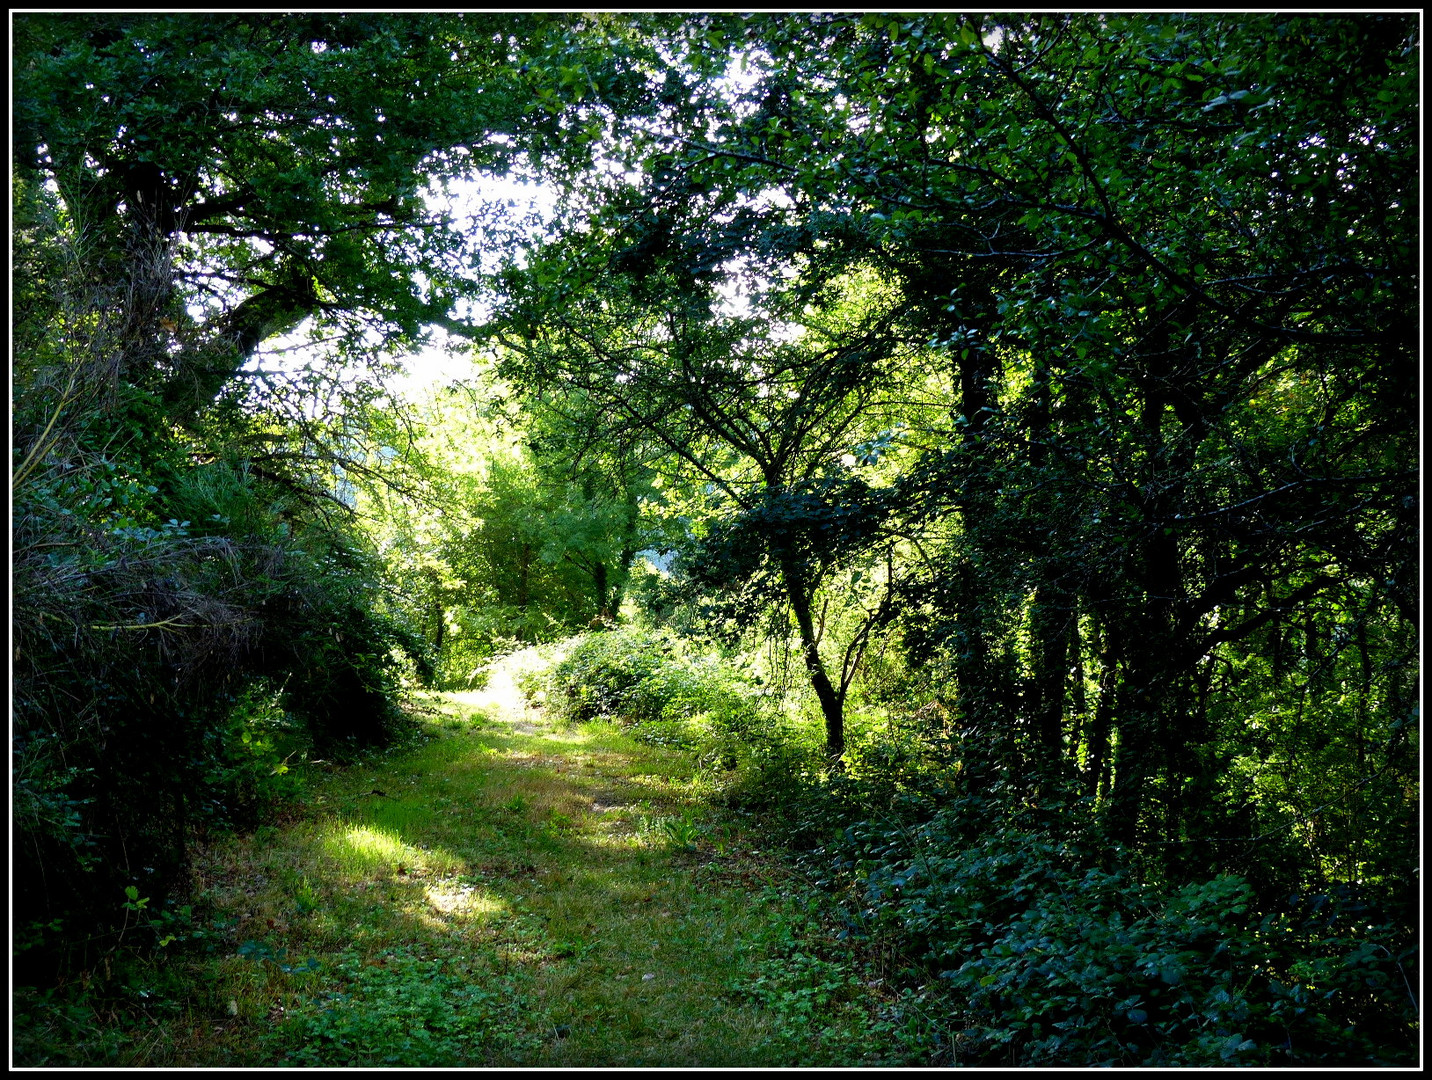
{"points": [[495, 895]]}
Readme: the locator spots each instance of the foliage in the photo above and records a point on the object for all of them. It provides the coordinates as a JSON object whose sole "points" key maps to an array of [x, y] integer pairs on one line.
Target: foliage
{"points": [[634, 676], [1053, 951], [157, 585], [1052, 945], [285, 157], [491, 543], [187, 190], [1042, 384], [404, 1011], [52, 1029], [710, 706], [1034, 373], [176, 705]]}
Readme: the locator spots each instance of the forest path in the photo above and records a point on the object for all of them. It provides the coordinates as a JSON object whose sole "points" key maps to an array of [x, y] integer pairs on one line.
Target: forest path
{"points": [[502, 699], [512, 892]]}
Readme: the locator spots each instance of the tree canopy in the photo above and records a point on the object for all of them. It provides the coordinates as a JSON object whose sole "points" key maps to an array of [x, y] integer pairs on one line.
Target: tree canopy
{"points": [[1107, 295], [1045, 381]]}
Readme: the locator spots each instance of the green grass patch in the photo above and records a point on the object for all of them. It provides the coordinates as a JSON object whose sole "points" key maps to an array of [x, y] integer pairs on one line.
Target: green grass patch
{"points": [[487, 897]]}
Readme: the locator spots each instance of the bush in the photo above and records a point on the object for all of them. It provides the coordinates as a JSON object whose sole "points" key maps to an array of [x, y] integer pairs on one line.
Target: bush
{"points": [[1054, 952], [643, 679], [611, 675], [247, 758], [644, 676], [162, 672]]}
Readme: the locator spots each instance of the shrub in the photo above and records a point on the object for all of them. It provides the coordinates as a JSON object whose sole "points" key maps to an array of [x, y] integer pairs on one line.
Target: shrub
{"points": [[644, 676], [1055, 953], [611, 675], [247, 758], [140, 646]]}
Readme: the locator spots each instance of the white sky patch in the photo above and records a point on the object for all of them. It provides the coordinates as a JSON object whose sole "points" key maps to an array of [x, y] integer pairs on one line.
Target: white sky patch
{"points": [[471, 204], [445, 361], [515, 202]]}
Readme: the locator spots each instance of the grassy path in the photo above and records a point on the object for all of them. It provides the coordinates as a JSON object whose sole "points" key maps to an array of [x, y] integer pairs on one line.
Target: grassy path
{"points": [[508, 894]]}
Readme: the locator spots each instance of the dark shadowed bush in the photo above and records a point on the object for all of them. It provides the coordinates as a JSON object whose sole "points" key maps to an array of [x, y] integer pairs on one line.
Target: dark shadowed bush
{"points": [[1054, 950]]}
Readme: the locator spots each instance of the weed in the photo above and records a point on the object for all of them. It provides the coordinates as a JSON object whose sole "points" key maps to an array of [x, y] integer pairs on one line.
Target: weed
{"points": [[683, 832], [305, 900], [518, 804]]}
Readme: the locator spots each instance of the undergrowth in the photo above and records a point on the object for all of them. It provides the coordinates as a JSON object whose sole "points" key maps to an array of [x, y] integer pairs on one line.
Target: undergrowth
{"points": [[606, 893]]}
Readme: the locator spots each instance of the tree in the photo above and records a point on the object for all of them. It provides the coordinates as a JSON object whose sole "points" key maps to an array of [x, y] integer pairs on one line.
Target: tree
{"points": [[244, 173], [188, 188], [1201, 306], [771, 421], [1171, 389], [501, 535]]}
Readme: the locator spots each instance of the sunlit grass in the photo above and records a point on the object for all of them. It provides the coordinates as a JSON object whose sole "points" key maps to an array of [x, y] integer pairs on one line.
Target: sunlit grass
{"points": [[361, 851], [455, 900]]}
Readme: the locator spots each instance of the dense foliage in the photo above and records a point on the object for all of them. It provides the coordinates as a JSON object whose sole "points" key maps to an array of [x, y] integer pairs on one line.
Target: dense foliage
{"points": [[1075, 360], [192, 610], [1030, 402], [494, 542]]}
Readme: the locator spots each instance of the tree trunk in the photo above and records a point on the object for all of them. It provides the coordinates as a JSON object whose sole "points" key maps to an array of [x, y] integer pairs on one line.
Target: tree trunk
{"points": [[1078, 699], [1050, 628], [1139, 727], [438, 614], [832, 701], [524, 566], [599, 583], [1096, 752]]}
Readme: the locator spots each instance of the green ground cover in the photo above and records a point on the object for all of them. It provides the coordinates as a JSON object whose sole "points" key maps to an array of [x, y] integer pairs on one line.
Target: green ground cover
{"points": [[498, 893]]}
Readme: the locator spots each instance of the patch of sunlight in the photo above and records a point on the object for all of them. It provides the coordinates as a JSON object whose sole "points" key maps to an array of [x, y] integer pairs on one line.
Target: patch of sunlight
{"points": [[658, 782], [456, 900], [362, 850], [467, 697], [622, 835]]}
